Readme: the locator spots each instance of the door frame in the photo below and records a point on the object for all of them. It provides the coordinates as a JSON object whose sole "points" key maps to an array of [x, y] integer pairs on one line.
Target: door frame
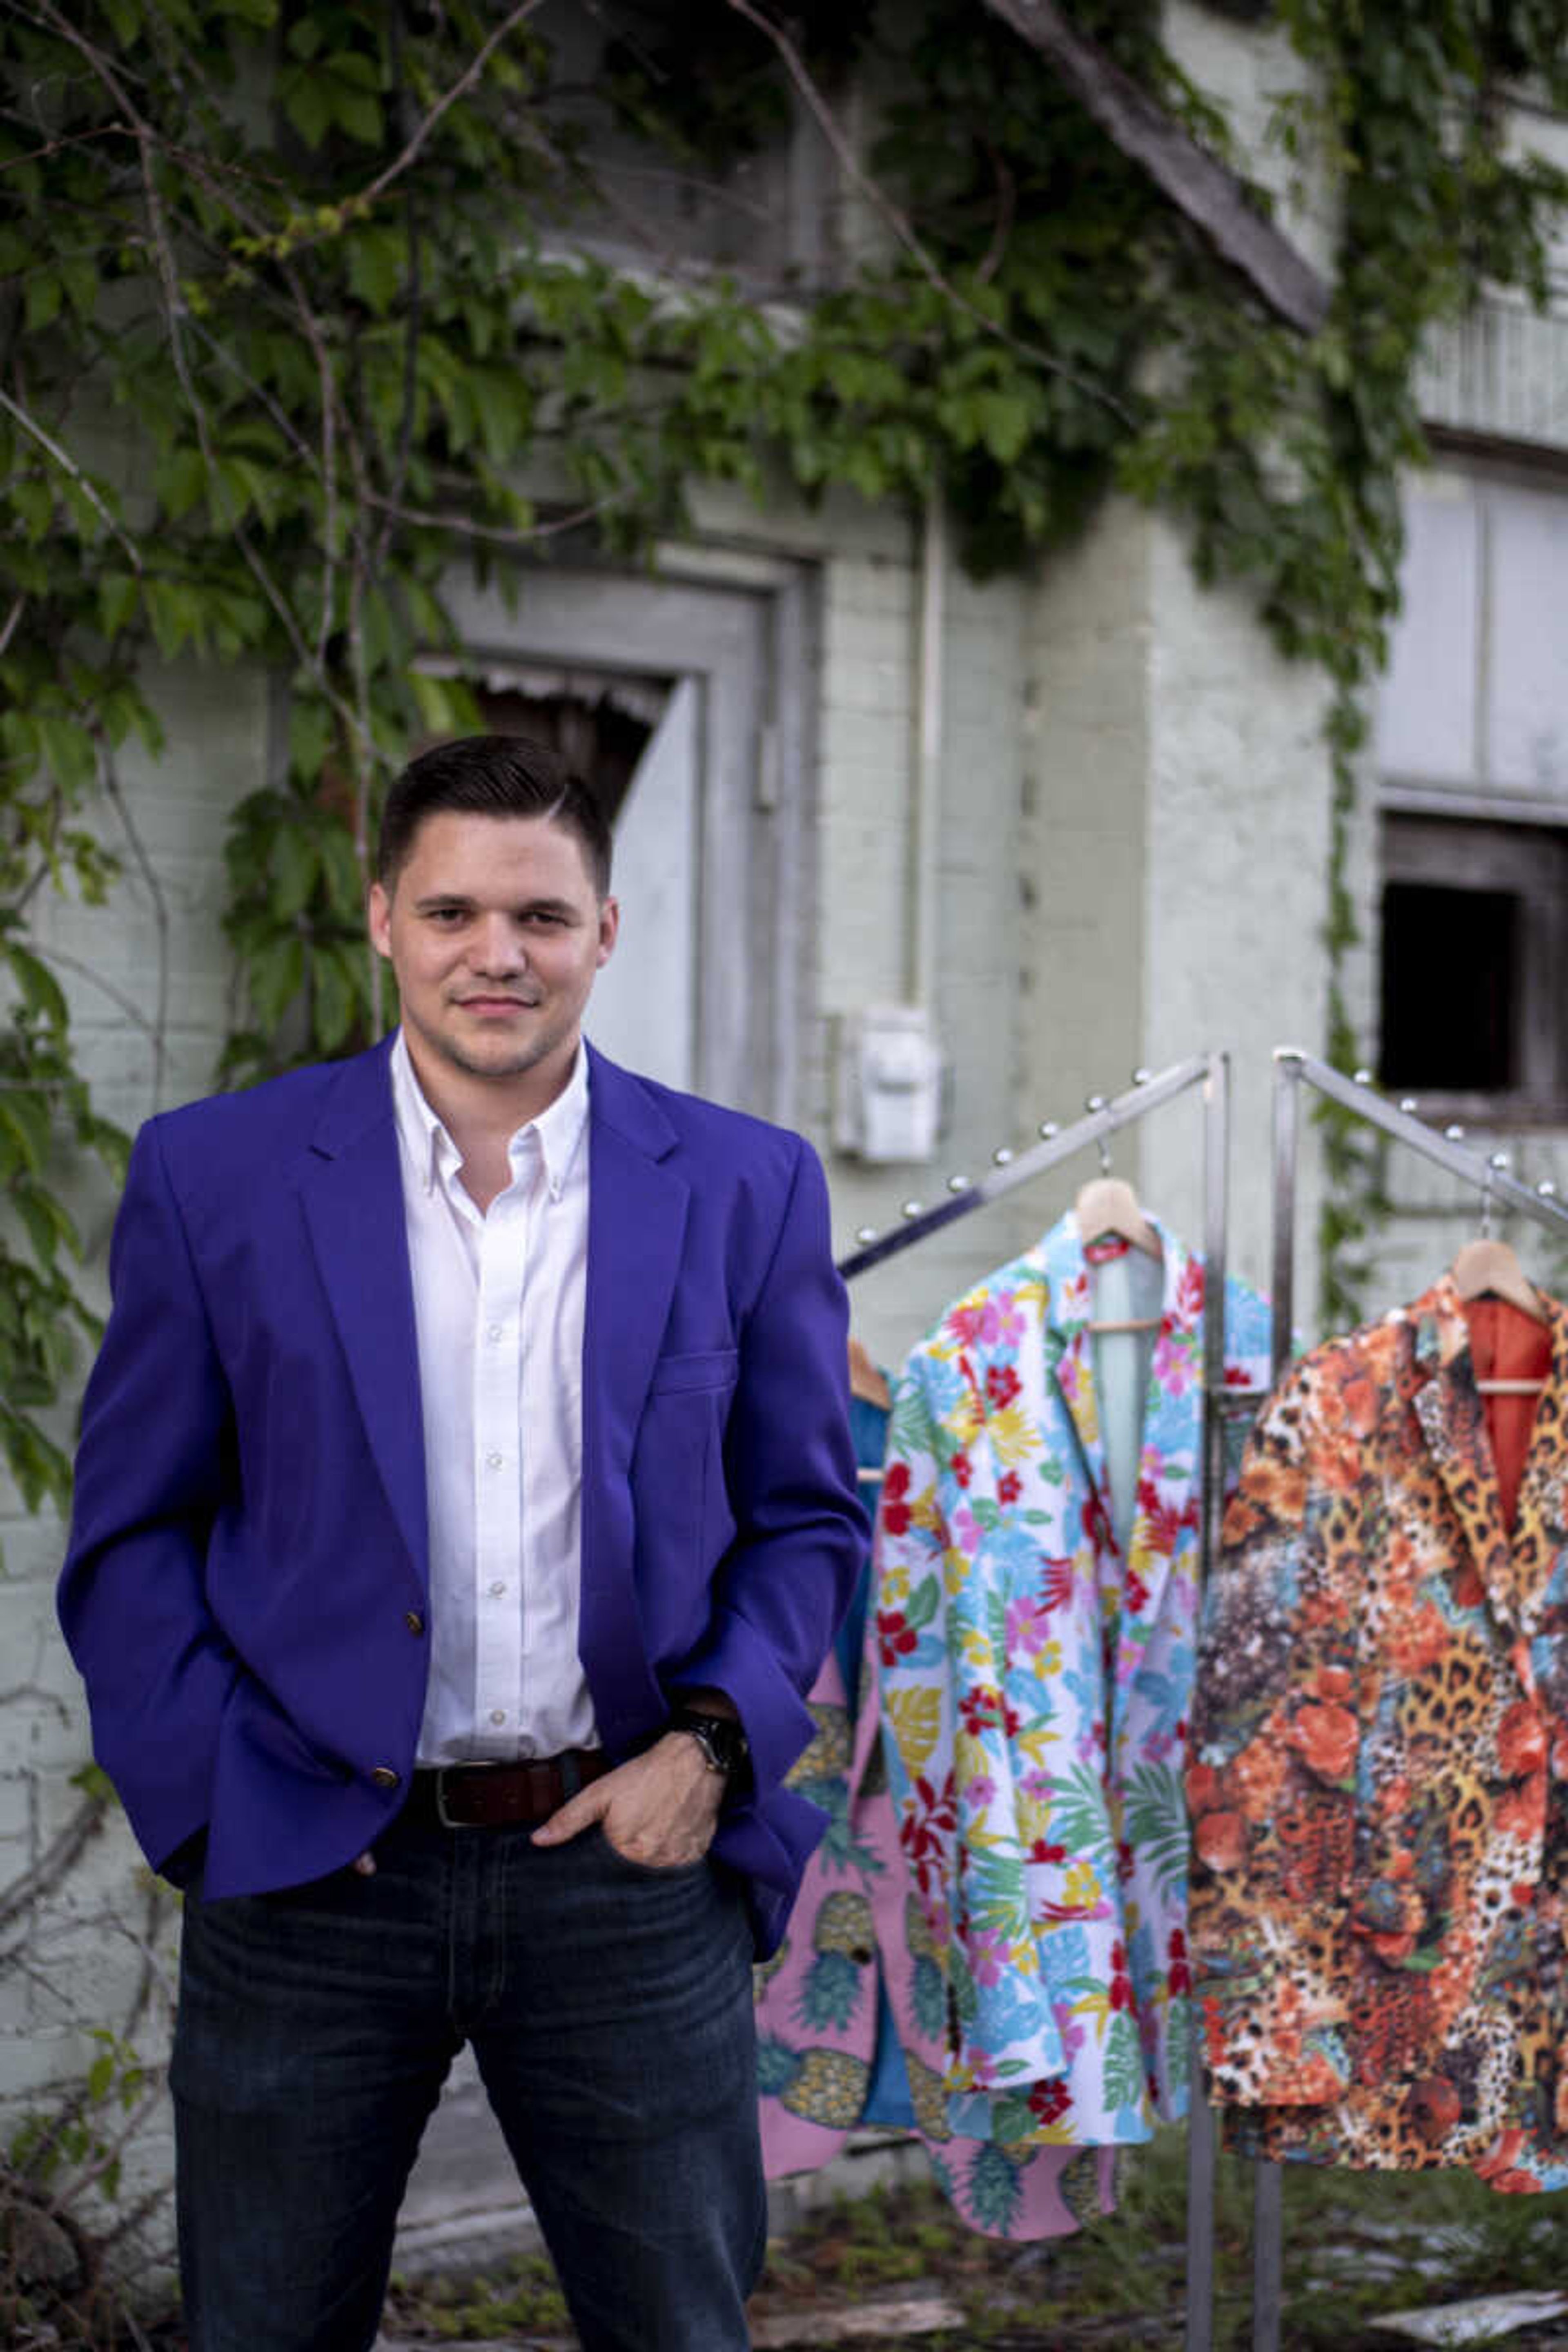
{"points": [[744, 629]]}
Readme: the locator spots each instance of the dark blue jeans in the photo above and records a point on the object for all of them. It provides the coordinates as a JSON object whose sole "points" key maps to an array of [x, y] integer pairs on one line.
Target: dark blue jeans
{"points": [[609, 2007]]}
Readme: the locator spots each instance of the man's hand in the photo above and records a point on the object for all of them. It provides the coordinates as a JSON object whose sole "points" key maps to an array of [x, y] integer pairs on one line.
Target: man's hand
{"points": [[660, 1809]]}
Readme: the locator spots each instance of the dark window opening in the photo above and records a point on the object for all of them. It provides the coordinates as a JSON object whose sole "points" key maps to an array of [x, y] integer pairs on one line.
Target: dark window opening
{"points": [[1451, 962], [603, 733], [1474, 964]]}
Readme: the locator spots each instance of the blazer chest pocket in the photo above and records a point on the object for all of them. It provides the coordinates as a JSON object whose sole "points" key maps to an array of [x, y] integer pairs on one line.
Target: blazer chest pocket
{"points": [[713, 1369], [677, 1456]]}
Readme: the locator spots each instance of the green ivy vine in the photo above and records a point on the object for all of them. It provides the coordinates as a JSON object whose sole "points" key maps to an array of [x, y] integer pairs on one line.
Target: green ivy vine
{"points": [[296, 300]]}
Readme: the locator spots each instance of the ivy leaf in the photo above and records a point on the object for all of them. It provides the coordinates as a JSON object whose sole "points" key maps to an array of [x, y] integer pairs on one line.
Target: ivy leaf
{"points": [[296, 863], [308, 103], [69, 750], [336, 997], [117, 594], [436, 702], [377, 259], [275, 979], [341, 868], [125, 20], [310, 738], [79, 279], [48, 1223], [179, 479], [45, 291], [34, 502], [41, 992], [24, 1136], [176, 614]]}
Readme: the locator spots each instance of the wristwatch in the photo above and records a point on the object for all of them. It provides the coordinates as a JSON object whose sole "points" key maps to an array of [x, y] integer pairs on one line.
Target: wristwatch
{"points": [[720, 1737]]}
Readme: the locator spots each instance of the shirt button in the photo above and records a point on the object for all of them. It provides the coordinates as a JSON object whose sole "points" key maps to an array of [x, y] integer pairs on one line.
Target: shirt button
{"points": [[495, 1459], [497, 1588], [385, 1777], [493, 1331], [498, 1715], [413, 1619]]}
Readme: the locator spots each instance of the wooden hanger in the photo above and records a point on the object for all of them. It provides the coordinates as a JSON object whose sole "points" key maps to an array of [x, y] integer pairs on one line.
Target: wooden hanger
{"points": [[1488, 1269], [1107, 1204]]}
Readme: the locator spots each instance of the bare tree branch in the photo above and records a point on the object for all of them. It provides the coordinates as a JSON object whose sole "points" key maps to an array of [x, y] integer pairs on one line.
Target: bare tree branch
{"points": [[148, 146], [464, 83], [127, 1005], [1213, 198], [899, 223], [56, 1860], [68, 464], [499, 534]]}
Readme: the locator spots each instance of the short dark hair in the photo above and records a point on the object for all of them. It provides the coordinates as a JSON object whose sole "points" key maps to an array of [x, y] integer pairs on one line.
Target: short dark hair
{"points": [[492, 775]]}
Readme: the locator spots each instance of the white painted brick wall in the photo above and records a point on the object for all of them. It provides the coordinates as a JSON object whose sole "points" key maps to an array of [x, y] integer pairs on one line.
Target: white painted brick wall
{"points": [[77, 1961], [1237, 885]]}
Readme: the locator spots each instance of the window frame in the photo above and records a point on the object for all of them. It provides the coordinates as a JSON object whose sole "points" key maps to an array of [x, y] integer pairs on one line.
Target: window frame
{"points": [[1473, 847]]}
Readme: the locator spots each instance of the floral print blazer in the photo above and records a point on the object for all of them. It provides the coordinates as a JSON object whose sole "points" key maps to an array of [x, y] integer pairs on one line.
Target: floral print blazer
{"points": [[1379, 1781], [1035, 1693]]}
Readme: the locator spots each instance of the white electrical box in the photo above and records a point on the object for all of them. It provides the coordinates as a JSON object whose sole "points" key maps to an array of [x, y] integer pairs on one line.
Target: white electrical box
{"points": [[887, 1084]]}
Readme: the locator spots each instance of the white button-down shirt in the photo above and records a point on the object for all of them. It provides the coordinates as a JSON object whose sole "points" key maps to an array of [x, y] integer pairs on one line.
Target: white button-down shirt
{"points": [[498, 1302]]}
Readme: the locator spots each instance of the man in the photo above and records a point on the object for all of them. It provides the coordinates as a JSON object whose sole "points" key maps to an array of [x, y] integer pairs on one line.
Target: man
{"points": [[465, 1501]]}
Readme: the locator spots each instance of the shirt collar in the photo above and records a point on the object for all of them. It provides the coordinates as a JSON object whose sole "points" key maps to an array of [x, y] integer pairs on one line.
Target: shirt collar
{"points": [[431, 1153]]}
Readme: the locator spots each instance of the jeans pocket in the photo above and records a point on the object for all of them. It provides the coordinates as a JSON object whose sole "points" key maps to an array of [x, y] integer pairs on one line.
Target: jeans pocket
{"points": [[655, 1870]]}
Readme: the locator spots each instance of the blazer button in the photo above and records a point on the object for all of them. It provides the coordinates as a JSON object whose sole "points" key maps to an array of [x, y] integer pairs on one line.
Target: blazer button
{"points": [[385, 1777], [413, 1619]]}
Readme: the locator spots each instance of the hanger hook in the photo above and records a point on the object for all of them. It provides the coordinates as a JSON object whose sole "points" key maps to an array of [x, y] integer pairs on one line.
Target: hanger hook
{"points": [[1104, 1142], [1486, 1205]]}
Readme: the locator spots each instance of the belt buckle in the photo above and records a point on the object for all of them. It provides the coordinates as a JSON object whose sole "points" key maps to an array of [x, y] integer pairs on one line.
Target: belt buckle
{"points": [[442, 1815]]}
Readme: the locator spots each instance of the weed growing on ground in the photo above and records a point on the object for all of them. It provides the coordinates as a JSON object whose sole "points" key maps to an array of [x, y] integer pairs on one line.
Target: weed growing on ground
{"points": [[1357, 2246]]}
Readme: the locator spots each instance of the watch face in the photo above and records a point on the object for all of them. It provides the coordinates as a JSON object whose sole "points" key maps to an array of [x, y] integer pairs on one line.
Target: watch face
{"points": [[722, 1743]]}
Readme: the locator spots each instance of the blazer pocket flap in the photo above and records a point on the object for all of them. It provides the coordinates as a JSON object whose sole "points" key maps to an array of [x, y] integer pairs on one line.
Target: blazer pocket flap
{"points": [[715, 1367]]}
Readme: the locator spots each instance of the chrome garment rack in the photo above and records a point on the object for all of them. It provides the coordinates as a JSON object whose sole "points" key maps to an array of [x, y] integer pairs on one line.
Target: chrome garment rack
{"points": [[1294, 1069], [1149, 1091]]}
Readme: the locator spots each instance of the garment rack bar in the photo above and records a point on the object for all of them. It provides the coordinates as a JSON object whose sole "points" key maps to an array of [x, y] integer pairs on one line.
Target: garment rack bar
{"points": [[1144, 1096], [1291, 1064]]}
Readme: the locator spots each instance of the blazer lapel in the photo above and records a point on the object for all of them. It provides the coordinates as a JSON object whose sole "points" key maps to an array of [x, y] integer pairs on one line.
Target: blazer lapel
{"points": [[636, 1226], [1453, 1421], [352, 1193]]}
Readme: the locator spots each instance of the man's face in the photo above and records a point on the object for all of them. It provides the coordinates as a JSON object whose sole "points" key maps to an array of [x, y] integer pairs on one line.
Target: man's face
{"points": [[494, 932]]}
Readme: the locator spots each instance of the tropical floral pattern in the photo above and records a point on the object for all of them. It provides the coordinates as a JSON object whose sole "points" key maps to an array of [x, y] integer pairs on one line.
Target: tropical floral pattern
{"points": [[1034, 1690], [857, 1928], [1379, 1781]]}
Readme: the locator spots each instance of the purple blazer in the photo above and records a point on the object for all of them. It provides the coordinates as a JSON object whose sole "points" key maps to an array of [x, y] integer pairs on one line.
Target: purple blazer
{"points": [[247, 1581]]}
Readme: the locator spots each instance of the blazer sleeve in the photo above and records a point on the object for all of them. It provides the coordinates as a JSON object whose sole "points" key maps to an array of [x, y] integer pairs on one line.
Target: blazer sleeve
{"points": [[801, 1534], [155, 1468], [1276, 1736]]}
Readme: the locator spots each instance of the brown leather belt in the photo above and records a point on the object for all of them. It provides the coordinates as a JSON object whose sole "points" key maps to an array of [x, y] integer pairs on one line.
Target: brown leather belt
{"points": [[503, 1796]]}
